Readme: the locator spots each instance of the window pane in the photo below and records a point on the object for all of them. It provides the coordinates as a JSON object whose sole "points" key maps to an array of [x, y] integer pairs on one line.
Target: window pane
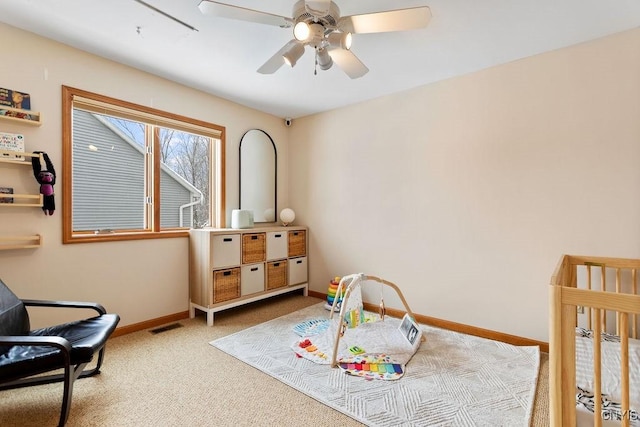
{"points": [[108, 173], [135, 172], [184, 179]]}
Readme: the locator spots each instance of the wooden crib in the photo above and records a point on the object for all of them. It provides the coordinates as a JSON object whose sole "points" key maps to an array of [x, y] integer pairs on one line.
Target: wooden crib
{"points": [[600, 295]]}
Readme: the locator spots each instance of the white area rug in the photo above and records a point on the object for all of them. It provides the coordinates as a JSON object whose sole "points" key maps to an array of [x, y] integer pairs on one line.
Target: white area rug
{"points": [[453, 379]]}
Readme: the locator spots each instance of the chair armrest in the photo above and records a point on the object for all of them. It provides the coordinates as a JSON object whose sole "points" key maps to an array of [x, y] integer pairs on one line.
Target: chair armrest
{"points": [[67, 304], [43, 341]]}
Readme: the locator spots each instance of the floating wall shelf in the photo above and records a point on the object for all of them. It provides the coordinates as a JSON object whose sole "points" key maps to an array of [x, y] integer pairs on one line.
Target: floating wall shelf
{"points": [[22, 200], [27, 117], [20, 242], [18, 200], [9, 157]]}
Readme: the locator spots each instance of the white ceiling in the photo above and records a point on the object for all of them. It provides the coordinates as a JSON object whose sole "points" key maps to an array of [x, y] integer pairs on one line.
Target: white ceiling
{"points": [[222, 57]]}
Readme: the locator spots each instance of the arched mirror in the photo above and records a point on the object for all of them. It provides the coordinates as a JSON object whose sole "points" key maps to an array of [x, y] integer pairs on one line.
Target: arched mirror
{"points": [[258, 161]]}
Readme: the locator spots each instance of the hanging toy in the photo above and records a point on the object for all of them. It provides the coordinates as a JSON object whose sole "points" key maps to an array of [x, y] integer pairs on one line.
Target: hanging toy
{"points": [[46, 178], [382, 309]]}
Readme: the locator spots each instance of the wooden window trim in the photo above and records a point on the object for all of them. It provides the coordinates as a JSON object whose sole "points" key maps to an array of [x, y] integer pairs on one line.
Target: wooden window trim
{"points": [[217, 167]]}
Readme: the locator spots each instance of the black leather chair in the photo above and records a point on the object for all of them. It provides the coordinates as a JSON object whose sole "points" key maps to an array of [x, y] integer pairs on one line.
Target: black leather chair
{"points": [[25, 353]]}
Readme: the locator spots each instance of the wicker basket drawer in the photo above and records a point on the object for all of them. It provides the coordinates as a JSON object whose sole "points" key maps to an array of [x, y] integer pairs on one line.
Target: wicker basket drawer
{"points": [[253, 248], [276, 274], [226, 284], [297, 243]]}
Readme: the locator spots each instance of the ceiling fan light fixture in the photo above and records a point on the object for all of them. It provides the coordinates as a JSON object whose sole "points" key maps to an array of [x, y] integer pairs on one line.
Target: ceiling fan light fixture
{"points": [[292, 55], [324, 60], [301, 31], [348, 38], [339, 39]]}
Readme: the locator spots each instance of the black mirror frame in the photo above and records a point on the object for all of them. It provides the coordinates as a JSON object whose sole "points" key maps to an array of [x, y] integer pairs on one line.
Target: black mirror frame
{"points": [[275, 171]]}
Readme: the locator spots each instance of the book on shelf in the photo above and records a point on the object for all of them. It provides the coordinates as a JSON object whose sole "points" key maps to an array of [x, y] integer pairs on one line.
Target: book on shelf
{"points": [[18, 114], [3, 198], [12, 142], [14, 99]]}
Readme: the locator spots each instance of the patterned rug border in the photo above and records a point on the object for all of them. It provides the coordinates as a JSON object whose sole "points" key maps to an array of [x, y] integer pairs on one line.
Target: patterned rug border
{"points": [[285, 372]]}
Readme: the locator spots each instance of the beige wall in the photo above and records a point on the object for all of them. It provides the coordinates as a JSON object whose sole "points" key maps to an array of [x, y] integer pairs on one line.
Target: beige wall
{"points": [[466, 192], [140, 280]]}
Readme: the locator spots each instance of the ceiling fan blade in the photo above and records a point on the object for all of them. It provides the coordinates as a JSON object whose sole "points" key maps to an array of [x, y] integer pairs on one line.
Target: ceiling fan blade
{"points": [[228, 11], [348, 62], [393, 20], [317, 7], [276, 61]]}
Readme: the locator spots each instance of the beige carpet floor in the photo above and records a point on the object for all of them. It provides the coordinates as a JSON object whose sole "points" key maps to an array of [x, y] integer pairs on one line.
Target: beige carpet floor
{"points": [[176, 378]]}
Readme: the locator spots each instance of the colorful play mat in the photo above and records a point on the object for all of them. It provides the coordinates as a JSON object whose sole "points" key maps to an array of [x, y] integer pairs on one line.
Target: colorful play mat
{"points": [[372, 366], [311, 327]]}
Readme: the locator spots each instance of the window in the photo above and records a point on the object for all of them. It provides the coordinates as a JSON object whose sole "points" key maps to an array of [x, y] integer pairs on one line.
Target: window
{"points": [[134, 172]]}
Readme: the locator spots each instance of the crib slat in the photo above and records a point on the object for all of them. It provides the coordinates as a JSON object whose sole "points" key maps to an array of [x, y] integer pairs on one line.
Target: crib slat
{"points": [[624, 370], [603, 288], [634, 317], [568, 364], [556, 351], [618, 290], [597, 363], [589, 319]]}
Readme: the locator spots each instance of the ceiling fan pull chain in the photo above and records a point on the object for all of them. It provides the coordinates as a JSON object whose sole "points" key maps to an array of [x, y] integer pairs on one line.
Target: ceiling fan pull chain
{"points": [[315, 68]]}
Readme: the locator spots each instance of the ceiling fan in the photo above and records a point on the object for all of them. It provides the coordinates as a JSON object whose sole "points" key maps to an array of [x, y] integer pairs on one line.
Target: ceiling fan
{"points": [[318, 24]]}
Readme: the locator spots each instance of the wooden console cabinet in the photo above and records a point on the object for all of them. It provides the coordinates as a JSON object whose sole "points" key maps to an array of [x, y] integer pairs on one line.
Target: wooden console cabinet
{"points": [[230, 267]]}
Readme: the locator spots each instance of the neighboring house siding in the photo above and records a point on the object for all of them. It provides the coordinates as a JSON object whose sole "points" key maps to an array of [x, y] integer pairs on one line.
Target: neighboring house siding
{"points": [[173, 195], [108, 182]]}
